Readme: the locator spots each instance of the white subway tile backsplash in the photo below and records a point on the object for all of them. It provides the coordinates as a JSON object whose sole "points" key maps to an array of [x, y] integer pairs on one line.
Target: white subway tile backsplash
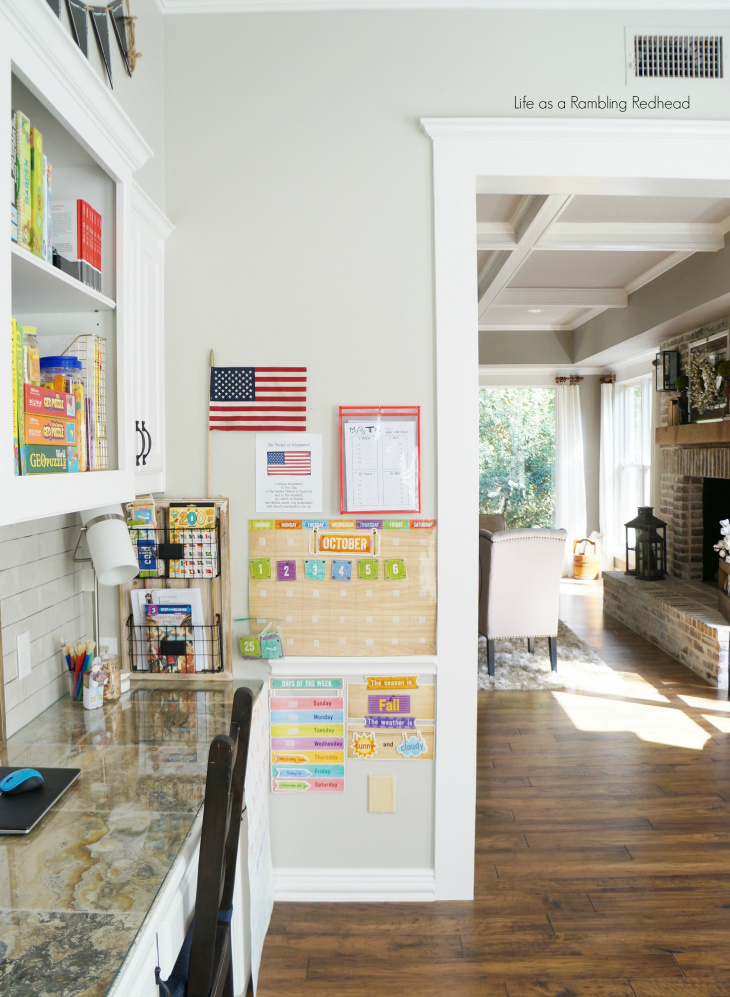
{"points": [[39, 592]]}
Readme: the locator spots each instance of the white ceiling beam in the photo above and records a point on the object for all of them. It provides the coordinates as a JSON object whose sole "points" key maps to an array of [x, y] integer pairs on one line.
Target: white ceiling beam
{"points": [[526, 327], [649, 275], [532, 220], [569, 297], [633, 237], [495, 235]]}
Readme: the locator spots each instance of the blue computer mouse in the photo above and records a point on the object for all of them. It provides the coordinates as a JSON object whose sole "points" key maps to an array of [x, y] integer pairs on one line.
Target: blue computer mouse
{"points": [[21, 781]]}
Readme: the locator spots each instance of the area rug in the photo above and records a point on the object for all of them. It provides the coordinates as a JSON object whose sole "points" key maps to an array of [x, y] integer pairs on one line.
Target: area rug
{"points": [[578, 666]]}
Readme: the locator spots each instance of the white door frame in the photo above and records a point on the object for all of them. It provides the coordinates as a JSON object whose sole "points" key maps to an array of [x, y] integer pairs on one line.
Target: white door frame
{"points": [[523, 156]]}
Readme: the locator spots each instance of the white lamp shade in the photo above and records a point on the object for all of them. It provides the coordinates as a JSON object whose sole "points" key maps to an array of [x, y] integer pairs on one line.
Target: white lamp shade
{"points": [[110, 545]]}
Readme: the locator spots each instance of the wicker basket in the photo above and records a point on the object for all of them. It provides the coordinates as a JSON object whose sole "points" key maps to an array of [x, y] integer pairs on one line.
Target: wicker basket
{"points": [[585, 565]]}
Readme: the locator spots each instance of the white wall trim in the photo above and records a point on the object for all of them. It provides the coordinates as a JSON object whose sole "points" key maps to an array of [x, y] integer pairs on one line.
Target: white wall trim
{"points": [[354, 885], [150, 213], [643, 357], [486, 155], [45, 51], [255, 6]]}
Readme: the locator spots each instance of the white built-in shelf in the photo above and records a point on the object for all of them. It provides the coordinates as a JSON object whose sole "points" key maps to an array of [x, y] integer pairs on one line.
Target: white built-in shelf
{"points": [[40, 288]]}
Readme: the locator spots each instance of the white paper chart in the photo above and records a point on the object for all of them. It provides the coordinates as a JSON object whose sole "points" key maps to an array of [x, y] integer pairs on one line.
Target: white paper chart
{"points": [[381, 464]]}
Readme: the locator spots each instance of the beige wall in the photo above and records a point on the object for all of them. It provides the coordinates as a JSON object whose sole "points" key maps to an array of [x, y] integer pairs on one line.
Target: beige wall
{"points": [[299, 182]]}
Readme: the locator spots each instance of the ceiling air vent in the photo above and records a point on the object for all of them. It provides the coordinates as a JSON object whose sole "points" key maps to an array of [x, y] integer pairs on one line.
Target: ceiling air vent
{"points": [[695, 56]]}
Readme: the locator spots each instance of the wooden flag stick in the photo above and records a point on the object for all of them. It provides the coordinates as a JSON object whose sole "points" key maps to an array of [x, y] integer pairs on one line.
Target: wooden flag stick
{"points": [[210, 375]]}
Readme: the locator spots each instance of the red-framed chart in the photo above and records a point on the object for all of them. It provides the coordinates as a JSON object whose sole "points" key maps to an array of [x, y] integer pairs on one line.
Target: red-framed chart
{"points": [[380, 459]]}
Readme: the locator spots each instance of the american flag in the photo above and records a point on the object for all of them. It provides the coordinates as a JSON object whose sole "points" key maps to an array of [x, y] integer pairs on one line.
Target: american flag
{"points": [[255, 399], [289, 462]]}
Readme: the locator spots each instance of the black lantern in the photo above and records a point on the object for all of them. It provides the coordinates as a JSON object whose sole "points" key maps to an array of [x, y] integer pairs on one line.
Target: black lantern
{"points": [[667, 369], [650, 545]]}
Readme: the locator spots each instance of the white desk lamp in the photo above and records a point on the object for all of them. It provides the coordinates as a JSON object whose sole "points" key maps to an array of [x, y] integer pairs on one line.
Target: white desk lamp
{"points": [[111, 552]]}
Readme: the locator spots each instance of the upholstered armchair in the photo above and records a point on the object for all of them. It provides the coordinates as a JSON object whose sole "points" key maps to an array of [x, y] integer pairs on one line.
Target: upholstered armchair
{"points": [[519, 587]]}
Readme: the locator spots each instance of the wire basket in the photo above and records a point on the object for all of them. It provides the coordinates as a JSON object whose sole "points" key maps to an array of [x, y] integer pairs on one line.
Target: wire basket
{"points": [[91, 351], [176, 649], [165, 553]]}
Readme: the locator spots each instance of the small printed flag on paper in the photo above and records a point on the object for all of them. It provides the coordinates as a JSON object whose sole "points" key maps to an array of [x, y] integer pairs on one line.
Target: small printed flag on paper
{"points": [[289, 462], [256, 399]]}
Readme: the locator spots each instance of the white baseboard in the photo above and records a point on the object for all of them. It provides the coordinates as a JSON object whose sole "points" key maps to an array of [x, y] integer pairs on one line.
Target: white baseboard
{"points": [[355, 885]]}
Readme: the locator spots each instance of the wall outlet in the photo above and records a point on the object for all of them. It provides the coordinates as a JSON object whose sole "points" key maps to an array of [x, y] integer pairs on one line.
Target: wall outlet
{"points": [[110, 643], [24, 662], [381, 794]]}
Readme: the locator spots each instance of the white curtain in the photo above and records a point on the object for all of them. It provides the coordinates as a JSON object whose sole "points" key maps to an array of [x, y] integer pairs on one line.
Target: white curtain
{"points": [[570, 485], [607, 477]]}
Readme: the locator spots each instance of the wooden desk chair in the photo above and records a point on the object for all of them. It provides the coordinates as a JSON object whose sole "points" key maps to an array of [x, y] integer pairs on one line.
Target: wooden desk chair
{"points": [[204, 966]]}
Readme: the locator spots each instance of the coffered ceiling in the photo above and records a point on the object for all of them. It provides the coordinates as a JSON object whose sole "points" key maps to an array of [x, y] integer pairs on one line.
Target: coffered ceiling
{"points": [[554, 261]]}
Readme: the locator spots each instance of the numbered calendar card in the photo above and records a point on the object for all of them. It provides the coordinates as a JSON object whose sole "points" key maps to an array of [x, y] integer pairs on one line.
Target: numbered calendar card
{"points": [[380, 469]]}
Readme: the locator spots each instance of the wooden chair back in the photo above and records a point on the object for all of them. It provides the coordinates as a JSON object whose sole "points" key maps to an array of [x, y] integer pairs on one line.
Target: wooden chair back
{"points": [[241, 733], [204, 965], [210, 949]]}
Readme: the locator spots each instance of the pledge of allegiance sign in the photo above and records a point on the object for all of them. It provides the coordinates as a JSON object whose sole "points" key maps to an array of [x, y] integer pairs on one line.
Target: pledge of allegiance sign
{"points": [[296, 482]]}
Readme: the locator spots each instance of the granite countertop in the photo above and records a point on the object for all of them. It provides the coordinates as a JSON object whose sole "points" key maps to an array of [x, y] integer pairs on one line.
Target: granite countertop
{"points": [[75, 891]]}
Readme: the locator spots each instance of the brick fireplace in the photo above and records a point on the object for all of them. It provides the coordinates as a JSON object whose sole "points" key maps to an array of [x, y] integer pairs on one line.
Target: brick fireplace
{"points": [[681, 614], [683, 470]]}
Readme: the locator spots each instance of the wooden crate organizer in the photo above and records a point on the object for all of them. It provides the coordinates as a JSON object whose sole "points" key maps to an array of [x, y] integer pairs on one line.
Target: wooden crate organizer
{"points": [[216, 597]]}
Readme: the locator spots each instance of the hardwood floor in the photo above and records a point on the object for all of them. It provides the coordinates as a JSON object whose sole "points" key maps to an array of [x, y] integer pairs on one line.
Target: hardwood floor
{"points": [[602, 856]]}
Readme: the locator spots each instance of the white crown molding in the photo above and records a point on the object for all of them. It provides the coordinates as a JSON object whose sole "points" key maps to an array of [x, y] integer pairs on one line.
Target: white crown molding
{"points": [[354, 885], [148, 212], [633, 361], [49, 45], [283, 6], [538, 369], [583, 129]]}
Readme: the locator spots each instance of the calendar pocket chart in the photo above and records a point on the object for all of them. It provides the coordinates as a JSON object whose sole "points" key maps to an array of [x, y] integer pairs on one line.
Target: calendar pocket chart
{"points": [[353, 587]]}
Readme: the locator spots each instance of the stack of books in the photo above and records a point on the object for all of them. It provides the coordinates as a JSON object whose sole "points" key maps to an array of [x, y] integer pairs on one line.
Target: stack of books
{"points": [[31, 217], [44, 422], [77, 241], [66, 233]]}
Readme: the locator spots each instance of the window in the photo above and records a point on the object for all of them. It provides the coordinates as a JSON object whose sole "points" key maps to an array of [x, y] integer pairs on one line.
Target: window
{"points": [[633, 451], [517, 455]]}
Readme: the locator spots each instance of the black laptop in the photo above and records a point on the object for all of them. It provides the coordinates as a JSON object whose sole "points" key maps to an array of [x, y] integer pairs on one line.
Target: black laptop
{"points": [[20, 812]]}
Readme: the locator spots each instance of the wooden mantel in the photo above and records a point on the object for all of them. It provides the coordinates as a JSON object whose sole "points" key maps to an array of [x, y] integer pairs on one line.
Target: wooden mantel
{"points": [[693, 434]]}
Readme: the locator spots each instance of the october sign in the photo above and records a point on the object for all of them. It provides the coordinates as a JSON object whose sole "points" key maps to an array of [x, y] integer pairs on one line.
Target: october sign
{"points": [[342, 543]]}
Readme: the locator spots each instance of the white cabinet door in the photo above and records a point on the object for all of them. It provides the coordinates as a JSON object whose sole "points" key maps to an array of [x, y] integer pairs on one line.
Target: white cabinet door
{"points": [[146, 389]]}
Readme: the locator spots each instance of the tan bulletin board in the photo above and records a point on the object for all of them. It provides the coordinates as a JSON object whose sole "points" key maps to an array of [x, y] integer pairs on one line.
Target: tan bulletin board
{"points": [[346, 587]]}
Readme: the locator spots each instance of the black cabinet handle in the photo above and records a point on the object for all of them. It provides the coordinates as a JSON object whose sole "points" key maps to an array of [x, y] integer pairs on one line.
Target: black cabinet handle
{"points": [[146, 448], [141, 452]]}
